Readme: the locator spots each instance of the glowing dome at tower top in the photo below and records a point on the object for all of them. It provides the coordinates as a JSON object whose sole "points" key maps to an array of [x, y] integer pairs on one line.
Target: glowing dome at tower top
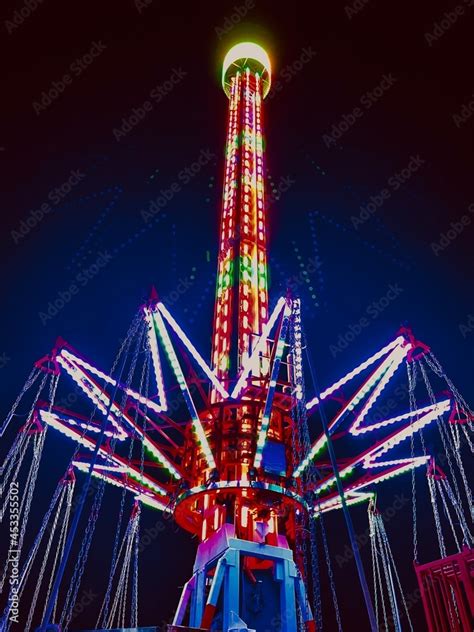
{"points": [[246, 55]]}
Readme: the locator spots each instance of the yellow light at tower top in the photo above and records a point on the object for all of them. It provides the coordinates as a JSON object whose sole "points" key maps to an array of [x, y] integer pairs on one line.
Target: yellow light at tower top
{"points": [[246, 55]]}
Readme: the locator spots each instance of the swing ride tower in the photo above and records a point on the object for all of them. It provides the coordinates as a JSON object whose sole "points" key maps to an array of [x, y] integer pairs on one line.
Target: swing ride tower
{"points": [[246, 518], [248, 467]]}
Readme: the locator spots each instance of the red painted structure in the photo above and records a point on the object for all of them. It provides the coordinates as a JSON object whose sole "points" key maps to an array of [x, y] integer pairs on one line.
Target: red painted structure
{"points": [[447, 591]]}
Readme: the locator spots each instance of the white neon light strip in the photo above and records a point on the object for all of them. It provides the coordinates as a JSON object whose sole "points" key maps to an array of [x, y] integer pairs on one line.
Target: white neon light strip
{"points": [[142, 497], [79, 362], [331, 389], [262, 436], [197, 425], [409, 415], [120, 464], [51, 418], [370, 459], [419, 460], [160, 457], [155, 356], [397, 358], [193, 351], [84, 467], [72, 433], [91, 390], [152, 502], [353, 498], [331, 481], [406, 465], [382, 376], [395, 439], [102, 401], [259, 347], [376, 452]]}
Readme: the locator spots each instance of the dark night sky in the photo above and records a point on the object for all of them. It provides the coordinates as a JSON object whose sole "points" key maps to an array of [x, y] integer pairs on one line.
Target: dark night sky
{"points": [[326, 63]]}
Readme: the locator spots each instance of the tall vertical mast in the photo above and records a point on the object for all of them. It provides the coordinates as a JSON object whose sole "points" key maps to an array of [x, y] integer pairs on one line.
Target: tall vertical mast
{"points": [[241, 307]]}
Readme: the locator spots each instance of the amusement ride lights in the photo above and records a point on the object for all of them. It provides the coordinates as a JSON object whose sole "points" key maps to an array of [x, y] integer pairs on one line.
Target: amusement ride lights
{"points": [[232, 465]]}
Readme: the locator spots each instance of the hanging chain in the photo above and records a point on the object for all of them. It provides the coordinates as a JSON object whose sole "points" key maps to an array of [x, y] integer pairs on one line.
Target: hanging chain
{"points": [[301, 447], [129, 458], [468, 438], [411, 372], [330, 573], [71, 596], [73, 590], [31, 379], [134, 614], [118, 607], [60, 547], [53, 387], [25, 571], [391, 560], [14, 476], [310, 477], [124, 347], [447, 513], [379, 574], [46, 553], [122, 545], [25, 505], [18, 449], [442, 547], [316, 581], [374, 562], [467, 536], [436, 367], [447, 445], [386, 572]]}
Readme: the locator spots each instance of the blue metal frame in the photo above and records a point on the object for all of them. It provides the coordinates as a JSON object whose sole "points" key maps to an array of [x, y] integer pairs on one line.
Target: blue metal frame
{"points": [[223, 552]]}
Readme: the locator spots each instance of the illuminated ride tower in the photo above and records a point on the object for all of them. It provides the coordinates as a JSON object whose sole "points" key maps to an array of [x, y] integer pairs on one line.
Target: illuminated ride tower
{"points": [[240, 471], [244, 510]]}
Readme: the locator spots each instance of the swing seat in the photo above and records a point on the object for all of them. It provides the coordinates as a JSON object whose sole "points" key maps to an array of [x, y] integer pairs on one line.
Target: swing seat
{"points": [[447, 591]]}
